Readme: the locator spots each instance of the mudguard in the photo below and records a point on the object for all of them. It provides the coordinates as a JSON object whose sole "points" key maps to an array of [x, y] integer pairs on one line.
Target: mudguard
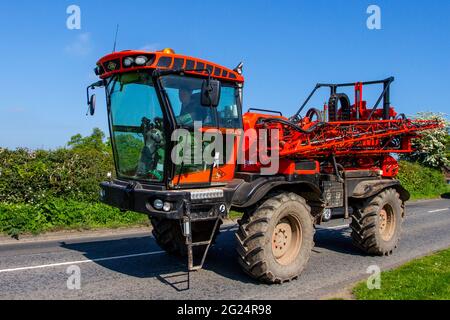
{"points": [[369, 188], [249, 193]]}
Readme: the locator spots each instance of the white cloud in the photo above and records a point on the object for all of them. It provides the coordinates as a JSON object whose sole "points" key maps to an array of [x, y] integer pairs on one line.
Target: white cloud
{"points": [[151, 47], [81, 46], [15, 110]]}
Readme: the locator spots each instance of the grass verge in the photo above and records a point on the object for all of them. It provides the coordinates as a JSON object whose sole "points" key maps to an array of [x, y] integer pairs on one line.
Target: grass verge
{"points": [[426, 278], [234, 215], [60, 214]]}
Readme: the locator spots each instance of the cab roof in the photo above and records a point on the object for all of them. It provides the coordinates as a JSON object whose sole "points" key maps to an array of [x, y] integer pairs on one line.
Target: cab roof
{"points": [[114, 63]]}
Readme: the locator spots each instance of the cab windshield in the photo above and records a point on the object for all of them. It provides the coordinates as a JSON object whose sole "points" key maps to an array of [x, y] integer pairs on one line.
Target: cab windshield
{"points": [[136, 121], [185, 95], [195, 165]]}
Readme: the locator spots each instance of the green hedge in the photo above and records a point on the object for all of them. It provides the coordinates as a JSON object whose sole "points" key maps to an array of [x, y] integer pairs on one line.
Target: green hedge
{"points": [[34, 176], [56, 214], [422, 182], [47, 190]]}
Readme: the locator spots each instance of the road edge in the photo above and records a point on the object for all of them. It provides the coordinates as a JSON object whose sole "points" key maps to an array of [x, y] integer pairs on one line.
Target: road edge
{"points": [[70, 235]]}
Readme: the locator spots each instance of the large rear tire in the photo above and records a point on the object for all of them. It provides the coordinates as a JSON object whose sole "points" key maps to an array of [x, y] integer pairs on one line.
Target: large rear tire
{"points": [[275, 241], [169, 235], [377, 223]]}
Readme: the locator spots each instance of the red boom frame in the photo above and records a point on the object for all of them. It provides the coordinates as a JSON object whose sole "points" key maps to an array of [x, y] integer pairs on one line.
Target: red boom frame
{"points": [[364, 140]]}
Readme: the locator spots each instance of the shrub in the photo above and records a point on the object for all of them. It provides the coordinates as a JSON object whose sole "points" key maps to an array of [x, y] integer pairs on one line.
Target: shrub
{"points": [[45, 190], [421, 181], [432, 145], [34, 176], [55, 214]]}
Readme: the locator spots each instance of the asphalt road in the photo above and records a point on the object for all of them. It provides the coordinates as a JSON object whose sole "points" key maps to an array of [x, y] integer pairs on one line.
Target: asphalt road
{"points": [[133, 267]]}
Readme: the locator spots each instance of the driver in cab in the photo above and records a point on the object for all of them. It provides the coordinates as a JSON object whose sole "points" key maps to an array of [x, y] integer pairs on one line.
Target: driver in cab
{"points": [[191, 108]]}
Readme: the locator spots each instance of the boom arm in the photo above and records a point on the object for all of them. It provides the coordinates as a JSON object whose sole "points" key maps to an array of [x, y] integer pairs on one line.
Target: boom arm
{"points": [[349, 138], [350, 131]]}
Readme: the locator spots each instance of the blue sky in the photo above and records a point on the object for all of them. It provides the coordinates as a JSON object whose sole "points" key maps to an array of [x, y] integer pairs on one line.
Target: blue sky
{"points": [[287, 47]]}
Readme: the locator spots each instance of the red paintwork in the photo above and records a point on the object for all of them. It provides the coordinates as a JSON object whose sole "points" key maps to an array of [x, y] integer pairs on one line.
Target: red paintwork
{"points": [[358, 144], [103, 62]]}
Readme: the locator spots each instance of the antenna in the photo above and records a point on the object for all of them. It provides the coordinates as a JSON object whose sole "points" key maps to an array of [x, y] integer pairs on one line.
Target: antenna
{"points": [[115, 38]]}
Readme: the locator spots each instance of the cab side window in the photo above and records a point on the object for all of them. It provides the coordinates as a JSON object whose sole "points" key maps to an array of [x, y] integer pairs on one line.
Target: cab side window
{"points": [[228, 110]]}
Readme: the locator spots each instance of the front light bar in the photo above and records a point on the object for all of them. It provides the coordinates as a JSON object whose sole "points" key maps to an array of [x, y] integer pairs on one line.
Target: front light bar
{"points": [[206, 194]]}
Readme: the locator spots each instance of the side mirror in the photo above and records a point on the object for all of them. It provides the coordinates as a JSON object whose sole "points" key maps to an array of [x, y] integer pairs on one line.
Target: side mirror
{"points": [[91, 100], [210, 93], [92, 103]]}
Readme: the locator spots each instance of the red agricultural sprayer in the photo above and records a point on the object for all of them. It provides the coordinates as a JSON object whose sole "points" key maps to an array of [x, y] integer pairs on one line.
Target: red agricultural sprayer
{"points": [[338, 156]]}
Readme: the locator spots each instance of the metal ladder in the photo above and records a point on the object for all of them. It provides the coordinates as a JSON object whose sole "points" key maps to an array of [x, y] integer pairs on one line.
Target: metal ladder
{"points": [[190, 245]]}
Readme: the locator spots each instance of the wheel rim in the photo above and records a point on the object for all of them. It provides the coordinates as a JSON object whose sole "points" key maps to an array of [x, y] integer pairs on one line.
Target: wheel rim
{"points": [[287, 240], [387, 223]]}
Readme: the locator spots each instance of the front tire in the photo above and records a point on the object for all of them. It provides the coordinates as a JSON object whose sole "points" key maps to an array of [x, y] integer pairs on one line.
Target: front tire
{"points": [[275, 241], [169, 235], [376, 224]]}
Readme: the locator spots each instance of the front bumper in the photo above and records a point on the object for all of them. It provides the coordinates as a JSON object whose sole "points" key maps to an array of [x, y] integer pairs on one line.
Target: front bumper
{"points": [[198, 204]]}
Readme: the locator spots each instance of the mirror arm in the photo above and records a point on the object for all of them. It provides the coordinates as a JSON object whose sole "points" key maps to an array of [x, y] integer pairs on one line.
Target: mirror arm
{"points": [[92, 86], [87, 94], [97, 84]]}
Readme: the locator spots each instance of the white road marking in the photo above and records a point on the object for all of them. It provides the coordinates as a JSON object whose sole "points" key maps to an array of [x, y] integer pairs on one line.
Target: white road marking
{"points": [[81, 261], [438, 210]]}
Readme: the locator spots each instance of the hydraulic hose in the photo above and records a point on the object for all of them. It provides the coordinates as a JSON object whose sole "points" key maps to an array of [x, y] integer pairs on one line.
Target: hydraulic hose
{"points": [[294, 126]]}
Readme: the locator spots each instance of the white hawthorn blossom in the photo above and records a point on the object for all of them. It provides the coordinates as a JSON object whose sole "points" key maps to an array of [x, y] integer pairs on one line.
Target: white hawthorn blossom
{"points": [[430, 147]]}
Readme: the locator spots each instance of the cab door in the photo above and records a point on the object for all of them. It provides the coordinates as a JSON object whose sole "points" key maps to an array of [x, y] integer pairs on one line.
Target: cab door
{"points": [[220, 137]]}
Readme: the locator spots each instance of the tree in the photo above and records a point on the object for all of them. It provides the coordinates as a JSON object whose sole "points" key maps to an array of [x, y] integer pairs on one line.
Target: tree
{"points": [[432, 147], [93, 142]]}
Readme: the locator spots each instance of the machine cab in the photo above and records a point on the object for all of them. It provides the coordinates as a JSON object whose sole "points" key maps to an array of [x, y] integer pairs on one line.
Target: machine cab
{"points": [[163, 128]]}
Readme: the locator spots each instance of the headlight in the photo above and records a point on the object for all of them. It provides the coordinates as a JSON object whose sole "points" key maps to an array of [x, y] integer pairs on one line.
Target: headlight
{"points": [[167, 207], [141, 60], [128, 62], [158, 204]]}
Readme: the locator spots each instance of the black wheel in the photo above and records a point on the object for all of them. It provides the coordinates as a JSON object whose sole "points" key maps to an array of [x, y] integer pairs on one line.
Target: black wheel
{"points": [[275, 241], [169, 235], [376, 224]]}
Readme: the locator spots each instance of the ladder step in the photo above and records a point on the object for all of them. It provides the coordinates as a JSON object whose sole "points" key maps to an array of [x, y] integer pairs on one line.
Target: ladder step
{"points": [[196, 268], [198, 244]]}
